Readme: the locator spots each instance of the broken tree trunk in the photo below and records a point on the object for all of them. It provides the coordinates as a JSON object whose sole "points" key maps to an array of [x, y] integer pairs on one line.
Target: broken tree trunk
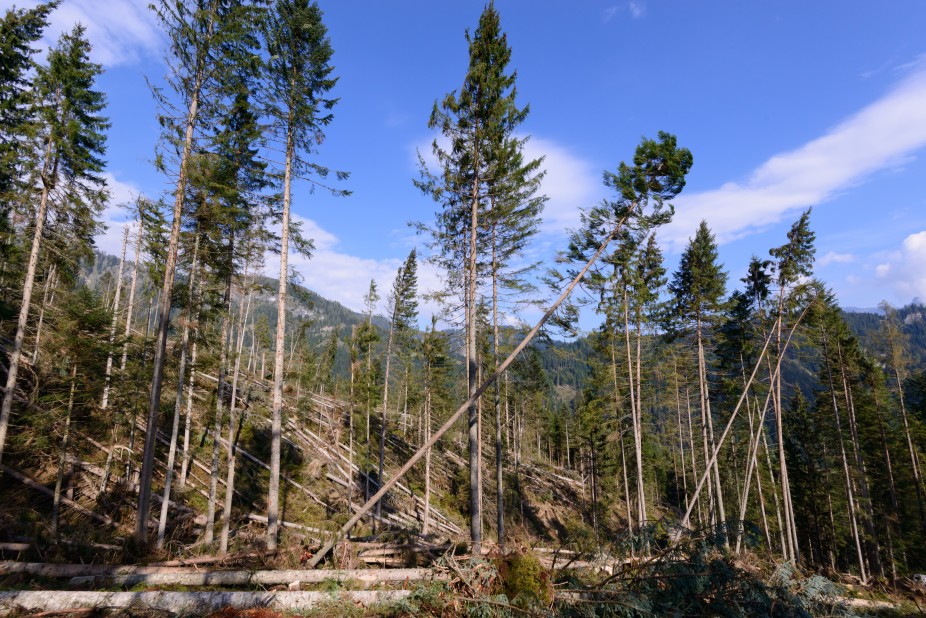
{"points": [[470, 401]]}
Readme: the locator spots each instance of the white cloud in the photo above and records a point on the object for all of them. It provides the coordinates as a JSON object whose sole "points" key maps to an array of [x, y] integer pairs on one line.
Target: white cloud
{"points": [[571, 183], [835, 258], [901, 273], [120, 31], [635, 8], [116, 216], [345, 278], [881, 135]]}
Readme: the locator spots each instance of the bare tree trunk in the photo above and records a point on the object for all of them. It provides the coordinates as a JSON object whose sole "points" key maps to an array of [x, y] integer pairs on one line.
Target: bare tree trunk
{"points": [[178, 401], [791, 549], [771, 476], [48, 298], [62, 459], [499, 477], [104, 404], [276, 418], [617, 407], [219, 404], [382, 427], [133, 427], [692, 449], [426, 516], [635, 414], [49, 176], [475, 462], [681, 442], [188, 419], [850, 494], [232, 439]]}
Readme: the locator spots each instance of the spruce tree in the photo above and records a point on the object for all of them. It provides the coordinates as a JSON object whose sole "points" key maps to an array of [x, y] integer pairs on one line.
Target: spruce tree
{"points": [[69, 147], [792, 262], [209, 40], [404, 304], [297, 81], [698, 287], [20, 29], [479, 120]]}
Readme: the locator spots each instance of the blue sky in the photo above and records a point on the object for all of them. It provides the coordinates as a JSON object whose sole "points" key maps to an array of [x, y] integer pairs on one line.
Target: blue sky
{"points": [[784, 105]]}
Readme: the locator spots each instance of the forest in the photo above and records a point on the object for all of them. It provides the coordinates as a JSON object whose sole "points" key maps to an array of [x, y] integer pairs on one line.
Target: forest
{"points": [[178, 420]]}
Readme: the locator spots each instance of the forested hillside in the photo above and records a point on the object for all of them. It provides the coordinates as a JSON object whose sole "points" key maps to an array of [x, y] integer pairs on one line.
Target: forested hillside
{"points": [[716, 441]]}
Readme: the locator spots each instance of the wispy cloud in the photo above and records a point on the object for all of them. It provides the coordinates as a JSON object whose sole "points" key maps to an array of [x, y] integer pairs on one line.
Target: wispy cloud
{"points": [[832, 257], [879, 136], [635, 8], [120, 31]]}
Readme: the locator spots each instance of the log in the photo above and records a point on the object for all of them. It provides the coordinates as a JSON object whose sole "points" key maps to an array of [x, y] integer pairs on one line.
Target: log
{"points": [[210, 559], [187, 603], [105, 571], [14, 546], [195, 577], [288, 524]]}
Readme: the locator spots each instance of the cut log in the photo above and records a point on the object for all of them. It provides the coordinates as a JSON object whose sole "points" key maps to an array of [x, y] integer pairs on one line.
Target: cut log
{"points": [[14, 546], [193, 577], [187, 603]]}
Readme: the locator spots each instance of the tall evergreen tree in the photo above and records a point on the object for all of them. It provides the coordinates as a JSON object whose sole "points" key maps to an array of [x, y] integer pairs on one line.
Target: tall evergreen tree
{"points": [[69, 147], [209, 40], [20, 29], [698, 287], [404, 304], [298, 80], [792, 263], [479, 121]]}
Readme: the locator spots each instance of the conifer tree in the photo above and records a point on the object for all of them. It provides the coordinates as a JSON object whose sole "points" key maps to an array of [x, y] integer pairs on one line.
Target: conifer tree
{"points": [[404, 304], [69, 147], [698, 287], [479, 121], [298, 80], [19, 30], [792, 262], [209, 40]]}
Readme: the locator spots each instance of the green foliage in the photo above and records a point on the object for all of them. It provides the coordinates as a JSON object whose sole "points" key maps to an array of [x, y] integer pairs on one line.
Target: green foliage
{"points": [[699, 284], [523, 580]]}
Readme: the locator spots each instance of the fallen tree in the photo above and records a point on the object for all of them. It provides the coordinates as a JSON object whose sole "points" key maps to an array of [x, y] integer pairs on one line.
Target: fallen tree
{"points": [[188, 603], [293, 578]]}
